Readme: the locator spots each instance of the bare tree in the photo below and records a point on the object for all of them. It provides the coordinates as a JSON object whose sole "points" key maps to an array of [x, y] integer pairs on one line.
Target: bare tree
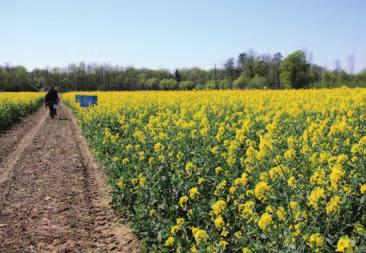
{"points": [[351, 63], [337, 64]]}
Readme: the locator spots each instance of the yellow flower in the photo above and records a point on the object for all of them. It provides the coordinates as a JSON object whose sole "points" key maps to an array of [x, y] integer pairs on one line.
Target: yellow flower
{"points": [[219, 207], [291, 181], [333, 205], [199, 235], [224, 232], [158, 147], [347, 188], [219, 222], [316, 240], [294, 205], [189, 167], [260, 190], [174, 230], [223, 244], [336, 174], [276, 172], [362, 141], [341, 159], [281, 213], [180, 221], [291, 141], [296, 230], [290, 154], [220, 187], [355, 149], [193, 193], [316, 195], [180, 155], [134, 181], [218, 169], [363, 189], [247, 209], [318, 177], [238, 234], [215, 150], [243, 180], [264, 176], [125, 161], [120, 184], [183, 134], [142, 179], [249, 193], [264, 221], [129, 147], [201, 180], [246, 250], [269, 209], [232, 189], [345, 244], [161, 158], [152, 212], [151, 160], [141, 156], [169, 242], [183, 201]]}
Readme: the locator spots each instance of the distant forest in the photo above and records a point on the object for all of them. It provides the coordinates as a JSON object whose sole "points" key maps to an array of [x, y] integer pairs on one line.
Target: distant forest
{"points": [[248, 71]]}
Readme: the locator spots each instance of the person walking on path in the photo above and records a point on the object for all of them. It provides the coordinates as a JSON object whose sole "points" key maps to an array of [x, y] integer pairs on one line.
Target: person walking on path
{"points": [[52, 100]]}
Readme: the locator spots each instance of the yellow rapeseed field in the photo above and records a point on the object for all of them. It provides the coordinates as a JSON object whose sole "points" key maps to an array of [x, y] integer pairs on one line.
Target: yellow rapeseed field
{"points": [[235, 171], [14, 105]]}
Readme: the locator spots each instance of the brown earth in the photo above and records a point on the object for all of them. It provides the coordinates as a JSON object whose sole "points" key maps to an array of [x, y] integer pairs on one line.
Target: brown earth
{"points": [[53, 196]]}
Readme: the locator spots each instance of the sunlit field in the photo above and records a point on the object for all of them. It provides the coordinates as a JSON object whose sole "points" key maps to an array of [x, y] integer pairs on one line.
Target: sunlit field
{"points": [[15, 105], [235, 171]]}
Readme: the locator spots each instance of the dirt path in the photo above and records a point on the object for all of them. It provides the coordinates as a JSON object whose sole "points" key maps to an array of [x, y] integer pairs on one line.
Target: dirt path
{"points": [[53, 196]]}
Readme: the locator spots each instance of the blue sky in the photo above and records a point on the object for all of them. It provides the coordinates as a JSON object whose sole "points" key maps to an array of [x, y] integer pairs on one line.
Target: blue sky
{"points": [[177, 33]]}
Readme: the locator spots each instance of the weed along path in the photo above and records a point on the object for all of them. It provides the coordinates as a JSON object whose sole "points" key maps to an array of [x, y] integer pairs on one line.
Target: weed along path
{"points": [[53, 196]]}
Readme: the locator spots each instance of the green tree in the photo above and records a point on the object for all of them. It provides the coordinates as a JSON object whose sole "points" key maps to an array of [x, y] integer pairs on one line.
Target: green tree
{"points": [[274, 71], [225, 84], [177, 76], [329, 79], [260, 68], [186, 85], [247, 62], [241, 82], [152, 83], [295, 71], [212, 85], [230, 71], [258, 82], [168, 84]]}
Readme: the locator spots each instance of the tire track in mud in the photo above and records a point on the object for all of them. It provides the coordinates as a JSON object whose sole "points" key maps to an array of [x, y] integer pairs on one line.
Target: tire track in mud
{"points": [[10, 138], [54, 195], [12, 159]]}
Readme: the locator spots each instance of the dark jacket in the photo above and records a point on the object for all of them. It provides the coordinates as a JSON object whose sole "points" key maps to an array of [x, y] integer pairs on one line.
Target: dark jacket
{"points": [[52, 97]]}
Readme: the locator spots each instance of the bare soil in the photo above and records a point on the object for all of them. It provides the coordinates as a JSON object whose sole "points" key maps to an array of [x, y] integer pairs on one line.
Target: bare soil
{"points": [[53, 196]]}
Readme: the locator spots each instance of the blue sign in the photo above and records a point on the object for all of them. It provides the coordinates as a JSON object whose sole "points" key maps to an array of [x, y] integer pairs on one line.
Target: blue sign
{"points": [[86, 100]]}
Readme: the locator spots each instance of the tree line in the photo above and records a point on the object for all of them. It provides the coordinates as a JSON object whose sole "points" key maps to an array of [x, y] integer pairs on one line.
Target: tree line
{"points": [[248, 71]]}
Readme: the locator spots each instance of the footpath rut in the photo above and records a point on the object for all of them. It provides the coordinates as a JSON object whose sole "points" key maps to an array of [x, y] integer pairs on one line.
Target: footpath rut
{"points": [[53, 196]]}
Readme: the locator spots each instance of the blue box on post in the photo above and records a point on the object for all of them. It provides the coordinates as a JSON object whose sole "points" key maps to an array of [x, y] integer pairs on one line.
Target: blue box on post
{"points": [[86, 100], [77, 98]]}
